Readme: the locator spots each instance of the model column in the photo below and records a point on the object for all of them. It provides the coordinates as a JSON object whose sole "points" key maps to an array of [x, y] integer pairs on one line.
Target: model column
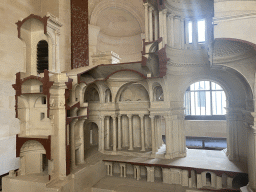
{"points": [[151, 23], [73, 147], [170, 35], [130, 133], [146, 21], [119, 133], [152, 117], [81, 148], [234, 122], [114, 132], [108, 132], [168, 136], [164, 27], [156, 24], [102, 132], [161, 28], [142, 129]]}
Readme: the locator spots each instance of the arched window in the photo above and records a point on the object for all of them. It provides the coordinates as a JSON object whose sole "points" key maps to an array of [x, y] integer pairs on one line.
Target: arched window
{"points": [[42, 56], [158, 93], [205, 100]]}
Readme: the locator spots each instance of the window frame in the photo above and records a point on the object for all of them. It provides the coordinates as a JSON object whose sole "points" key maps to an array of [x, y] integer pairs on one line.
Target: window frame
{"points": [[202, 117], [191, 34]]}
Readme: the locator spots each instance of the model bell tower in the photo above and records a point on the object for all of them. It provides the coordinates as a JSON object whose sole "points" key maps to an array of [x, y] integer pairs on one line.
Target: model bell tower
{"points": [[41, 100]]}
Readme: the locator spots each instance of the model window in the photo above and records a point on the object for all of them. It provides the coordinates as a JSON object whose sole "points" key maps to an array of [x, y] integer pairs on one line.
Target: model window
{"points": [[205, 100], [190, 32], [42, 56], [158, 93]]}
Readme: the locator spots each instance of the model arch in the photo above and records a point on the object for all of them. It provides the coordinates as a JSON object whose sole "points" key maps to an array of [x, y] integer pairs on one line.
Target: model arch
{"points": [[133, 92], [205, 98], [92, 94], [106, 4], [33, 158]]}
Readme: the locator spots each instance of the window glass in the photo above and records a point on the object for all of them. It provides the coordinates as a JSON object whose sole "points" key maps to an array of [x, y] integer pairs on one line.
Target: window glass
{"points": [[208, 103], [201, 30], [190, 31], [215, 86], [205, 98]]}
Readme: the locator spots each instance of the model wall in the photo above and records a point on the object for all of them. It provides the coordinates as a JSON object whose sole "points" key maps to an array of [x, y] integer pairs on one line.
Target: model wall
{"points": [[206, 128], [116, 26], [13, 60]]}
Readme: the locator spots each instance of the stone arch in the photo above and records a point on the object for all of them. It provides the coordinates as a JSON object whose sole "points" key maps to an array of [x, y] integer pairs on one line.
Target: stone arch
{"points": [[234, 83], [33, 158], [92, 94], [226, 89], [238, 92], [227, 51], [135, 86], [206, 108], [32, 145]]}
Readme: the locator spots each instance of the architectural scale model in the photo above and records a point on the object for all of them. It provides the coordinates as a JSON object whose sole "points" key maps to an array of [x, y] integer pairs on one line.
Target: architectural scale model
{"points": [[100, 95]]}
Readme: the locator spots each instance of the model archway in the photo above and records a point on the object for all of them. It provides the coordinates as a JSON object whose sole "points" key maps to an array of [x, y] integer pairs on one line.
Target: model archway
{"points": [[91, 138], [33, 158]]}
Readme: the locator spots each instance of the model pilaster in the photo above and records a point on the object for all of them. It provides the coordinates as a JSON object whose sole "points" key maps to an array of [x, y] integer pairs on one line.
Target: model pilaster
{"points": [[119, 133], [130, 132], [114, 132], [101, 134], [170, 35], [156, 24], [142, 129], [152, 117], [58, 112], [234, 123], [146, 6], [151, 23]]}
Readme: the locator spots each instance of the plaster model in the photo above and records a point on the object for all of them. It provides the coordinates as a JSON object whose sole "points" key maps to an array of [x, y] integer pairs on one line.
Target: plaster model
{"points": [[107, 116]]}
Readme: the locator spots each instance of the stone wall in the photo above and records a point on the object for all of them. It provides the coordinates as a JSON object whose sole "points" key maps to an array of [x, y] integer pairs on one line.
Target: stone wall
{"points": [[205, 128]]}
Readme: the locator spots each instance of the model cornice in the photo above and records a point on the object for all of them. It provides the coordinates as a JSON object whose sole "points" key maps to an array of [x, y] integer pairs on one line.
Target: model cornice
{"points": [[234, 16]]}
